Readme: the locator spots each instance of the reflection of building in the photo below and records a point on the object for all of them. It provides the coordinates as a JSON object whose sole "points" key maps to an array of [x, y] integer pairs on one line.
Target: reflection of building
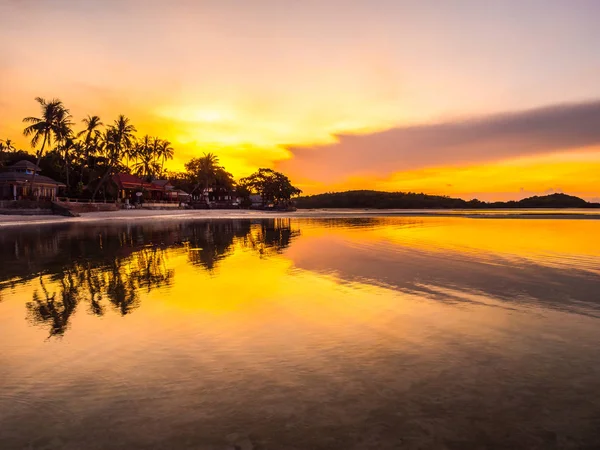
{"points": [[16, 180]]}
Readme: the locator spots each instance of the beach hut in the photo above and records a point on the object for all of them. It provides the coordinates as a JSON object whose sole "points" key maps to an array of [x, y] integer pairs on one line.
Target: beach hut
{"points": [[16, 183]]}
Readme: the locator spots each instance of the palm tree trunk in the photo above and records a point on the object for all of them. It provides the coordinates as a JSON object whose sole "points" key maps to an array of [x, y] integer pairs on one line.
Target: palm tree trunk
{"points": [[86, 159], [102, 181], [38, 165], [67, 170]]}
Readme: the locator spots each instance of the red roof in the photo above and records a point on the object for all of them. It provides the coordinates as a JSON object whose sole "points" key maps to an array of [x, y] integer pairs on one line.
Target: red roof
{"points": [[128, 181]]}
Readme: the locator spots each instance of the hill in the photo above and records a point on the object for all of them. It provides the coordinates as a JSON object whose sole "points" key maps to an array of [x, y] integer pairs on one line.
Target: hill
{"points": [[409, 200]]}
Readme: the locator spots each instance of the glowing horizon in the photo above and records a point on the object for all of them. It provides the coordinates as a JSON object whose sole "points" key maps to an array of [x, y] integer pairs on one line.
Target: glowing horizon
{"points": [[288, 86]]}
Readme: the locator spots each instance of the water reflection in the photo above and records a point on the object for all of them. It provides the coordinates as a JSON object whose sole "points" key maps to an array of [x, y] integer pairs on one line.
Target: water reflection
{"points": [[98, 265], [383, 333]]}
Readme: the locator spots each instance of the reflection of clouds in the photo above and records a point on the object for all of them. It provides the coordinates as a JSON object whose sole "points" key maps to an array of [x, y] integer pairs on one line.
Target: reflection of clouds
{"points": [[453, 273]]}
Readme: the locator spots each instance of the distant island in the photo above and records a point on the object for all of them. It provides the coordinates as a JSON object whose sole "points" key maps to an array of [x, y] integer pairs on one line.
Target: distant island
{"points": [[409, 200]]}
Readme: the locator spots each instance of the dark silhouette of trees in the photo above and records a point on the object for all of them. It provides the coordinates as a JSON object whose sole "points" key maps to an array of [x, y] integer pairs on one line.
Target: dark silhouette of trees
{"points": [[92, 138], [203, 171], [273, 187], [96, 152], [54, 124], [118, 140], [403, 200]]}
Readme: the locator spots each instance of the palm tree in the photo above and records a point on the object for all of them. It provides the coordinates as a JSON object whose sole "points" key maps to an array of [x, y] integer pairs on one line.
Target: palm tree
{"points": [[54, 123], [92, 135], [68, 144], [144, 156], [7, 145], [119, 139], [165, 152], [203, 170]]}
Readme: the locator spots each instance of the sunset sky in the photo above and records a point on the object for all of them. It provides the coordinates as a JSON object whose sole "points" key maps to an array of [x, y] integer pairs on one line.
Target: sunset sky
{"points": [[468, 98]]}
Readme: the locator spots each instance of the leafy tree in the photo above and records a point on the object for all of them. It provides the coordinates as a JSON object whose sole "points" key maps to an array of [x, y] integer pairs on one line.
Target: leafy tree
{"points": [[273, 187]]}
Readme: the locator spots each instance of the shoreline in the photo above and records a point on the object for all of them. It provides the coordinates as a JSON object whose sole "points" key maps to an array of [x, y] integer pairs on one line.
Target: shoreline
{"points": [[144, 215]]}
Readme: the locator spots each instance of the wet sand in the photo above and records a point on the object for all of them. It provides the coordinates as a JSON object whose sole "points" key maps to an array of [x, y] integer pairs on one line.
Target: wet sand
{"points": [[143, 215]]}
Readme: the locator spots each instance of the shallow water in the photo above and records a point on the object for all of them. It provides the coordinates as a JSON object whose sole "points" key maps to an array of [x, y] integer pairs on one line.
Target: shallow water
{"points": [[350, 333]]}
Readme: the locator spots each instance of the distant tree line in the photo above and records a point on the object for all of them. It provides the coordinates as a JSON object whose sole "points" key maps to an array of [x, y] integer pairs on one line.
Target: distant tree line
{"points": [[404, 200]]}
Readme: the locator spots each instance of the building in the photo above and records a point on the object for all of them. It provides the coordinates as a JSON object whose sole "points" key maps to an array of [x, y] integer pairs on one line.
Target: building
{"points": [[172, 194], [16, 182], [135, 189]]}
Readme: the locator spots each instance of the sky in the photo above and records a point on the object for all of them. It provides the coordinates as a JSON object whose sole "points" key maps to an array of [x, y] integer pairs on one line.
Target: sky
{"points": [[495, 100]]}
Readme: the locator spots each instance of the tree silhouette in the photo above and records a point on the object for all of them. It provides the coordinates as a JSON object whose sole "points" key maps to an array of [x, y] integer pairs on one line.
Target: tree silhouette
{"points": [[54, 124], [273, 187], [118, 139], [91, 140]]}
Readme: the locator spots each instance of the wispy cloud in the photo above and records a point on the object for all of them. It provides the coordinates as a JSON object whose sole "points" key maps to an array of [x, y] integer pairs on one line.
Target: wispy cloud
{"points": [[476, 140]]}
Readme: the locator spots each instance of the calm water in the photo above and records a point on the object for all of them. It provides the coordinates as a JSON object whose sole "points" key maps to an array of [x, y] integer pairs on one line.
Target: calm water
{"points": [[429, 332]]}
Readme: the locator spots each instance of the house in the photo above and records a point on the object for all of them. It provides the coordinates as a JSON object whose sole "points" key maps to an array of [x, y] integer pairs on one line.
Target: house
{"points": [[16, 182], [135, 189], [172, 194], [257, 201]]}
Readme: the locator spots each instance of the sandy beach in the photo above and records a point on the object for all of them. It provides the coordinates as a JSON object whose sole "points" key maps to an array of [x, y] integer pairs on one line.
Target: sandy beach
{"points": [[144, 215]]}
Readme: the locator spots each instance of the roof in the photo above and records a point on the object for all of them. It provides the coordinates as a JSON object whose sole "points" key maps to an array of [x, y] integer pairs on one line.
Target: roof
{"points": [[164, 183], [19, 177], [128, 181], [24, 164]]}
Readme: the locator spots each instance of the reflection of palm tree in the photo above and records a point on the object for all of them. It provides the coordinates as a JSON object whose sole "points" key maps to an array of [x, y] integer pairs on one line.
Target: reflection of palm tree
{"points": [[95, 285], [135, 268], [55, 313], [121, 290], [151, 269]]}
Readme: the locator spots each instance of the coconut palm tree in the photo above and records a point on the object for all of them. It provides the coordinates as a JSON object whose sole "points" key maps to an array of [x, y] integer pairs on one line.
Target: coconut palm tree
{"points": [[119, 139], [145, 157], [165, 152], [69, 144], [92, 135], [203, 171], [7, 145], [54, 124]]}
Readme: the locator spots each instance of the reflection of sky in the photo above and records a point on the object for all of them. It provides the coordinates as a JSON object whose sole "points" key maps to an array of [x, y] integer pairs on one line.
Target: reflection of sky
{"points": [[244, 79], [301, 332]]}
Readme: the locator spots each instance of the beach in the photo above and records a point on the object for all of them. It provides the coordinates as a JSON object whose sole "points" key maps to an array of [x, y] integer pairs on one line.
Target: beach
{"points": [[170, 215]]}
